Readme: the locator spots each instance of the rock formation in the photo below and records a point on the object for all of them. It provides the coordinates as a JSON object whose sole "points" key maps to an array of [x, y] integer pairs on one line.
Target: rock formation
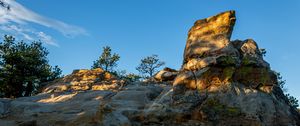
{"points": [[82, 80], [211, 60], [225, 82], [167, 74], [221, 82]]}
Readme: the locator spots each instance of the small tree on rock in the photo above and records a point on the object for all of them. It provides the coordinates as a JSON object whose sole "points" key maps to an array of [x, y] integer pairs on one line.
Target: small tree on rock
{"points": [[106, 61], [149, 65], [291, 99]]}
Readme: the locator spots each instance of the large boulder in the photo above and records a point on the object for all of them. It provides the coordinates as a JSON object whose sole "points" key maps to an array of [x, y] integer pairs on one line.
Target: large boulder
{"points": [[234, 61], [225, 82], [209, 35], [82, 80], [167, 74]]}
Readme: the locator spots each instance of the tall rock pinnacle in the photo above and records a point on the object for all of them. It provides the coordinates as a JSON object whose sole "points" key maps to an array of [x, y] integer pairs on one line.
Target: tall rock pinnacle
{"points": [[210, 34]]}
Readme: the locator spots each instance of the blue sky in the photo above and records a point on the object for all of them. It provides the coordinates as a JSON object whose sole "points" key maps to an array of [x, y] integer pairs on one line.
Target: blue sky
{"points": [[75, 31]]}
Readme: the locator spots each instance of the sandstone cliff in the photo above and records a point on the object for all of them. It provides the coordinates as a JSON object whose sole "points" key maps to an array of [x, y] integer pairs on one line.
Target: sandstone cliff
{"points": [[221, 82]]}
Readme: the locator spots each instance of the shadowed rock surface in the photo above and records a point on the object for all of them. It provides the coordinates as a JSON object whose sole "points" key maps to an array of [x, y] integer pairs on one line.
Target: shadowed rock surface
{"points": [[221, 82]]}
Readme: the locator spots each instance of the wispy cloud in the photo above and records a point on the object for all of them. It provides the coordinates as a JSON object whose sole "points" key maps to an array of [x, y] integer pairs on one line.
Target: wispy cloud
{"points": [[26, 33], [18, 16]]}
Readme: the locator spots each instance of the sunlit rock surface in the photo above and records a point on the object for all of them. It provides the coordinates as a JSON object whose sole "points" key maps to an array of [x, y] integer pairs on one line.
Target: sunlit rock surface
{"points": [[167, 74], [209, 35], [221, 82], [225, 82], [82, 80]]}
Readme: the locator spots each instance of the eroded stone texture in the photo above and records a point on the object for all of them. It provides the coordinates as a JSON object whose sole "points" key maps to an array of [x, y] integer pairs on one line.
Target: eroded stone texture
{"points": [[167, 74], [227, 83], [82, 80], [208, 35], [222, 60], [230, 86]]}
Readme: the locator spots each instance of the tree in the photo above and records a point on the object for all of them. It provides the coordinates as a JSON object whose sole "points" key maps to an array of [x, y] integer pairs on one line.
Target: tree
{"points": [[131, 77], [23, 67], [263, 52], [281, 84], [128, 77], [106, 61], [149, 65], [291, 99]]}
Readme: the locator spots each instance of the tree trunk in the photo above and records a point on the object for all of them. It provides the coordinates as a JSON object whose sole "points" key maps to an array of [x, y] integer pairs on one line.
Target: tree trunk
{"points": [[29, 89]]}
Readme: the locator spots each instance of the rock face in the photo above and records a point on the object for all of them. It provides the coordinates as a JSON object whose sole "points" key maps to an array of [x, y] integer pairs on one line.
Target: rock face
{"points": [[81, 80], [209, 35], [167, 74], [229, 84], [207, 67], [221, 82]]}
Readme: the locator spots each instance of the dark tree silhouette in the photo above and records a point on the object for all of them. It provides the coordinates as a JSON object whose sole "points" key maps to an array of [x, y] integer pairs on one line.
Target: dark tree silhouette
{"points": [[149, 65], [23, 67], [107, 61]]}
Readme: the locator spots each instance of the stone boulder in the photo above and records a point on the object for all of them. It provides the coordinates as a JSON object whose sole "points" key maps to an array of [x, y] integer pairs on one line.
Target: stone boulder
{"points": [[225, 82], [167, 74], [209, 35], [235, 61], [54, 109], [81, 80]]}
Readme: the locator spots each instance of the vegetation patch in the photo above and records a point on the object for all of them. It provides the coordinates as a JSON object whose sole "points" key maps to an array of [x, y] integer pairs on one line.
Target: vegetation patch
{"points": [[215, 109]]}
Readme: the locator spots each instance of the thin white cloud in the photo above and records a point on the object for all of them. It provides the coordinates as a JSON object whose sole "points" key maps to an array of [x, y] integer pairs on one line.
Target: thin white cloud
{"points": [[27, 33], [19, 15], [46, 38]]}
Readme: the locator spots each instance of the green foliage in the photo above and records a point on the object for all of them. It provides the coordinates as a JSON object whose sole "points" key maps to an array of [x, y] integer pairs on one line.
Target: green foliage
{"points": [[226, 61], [292, 100], [263, 52], [129, 77], [149, 65], [281, 82], [213, 106], [228, 72], [23, 67], [106, 61]]}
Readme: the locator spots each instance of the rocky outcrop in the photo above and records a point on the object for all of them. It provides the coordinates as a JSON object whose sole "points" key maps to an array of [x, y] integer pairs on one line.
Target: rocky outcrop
{"points": [[84, 108], [81, 80], [233, 62], [209, 35], [221, 82], [167, 74], [229, 84], [59, 109]]}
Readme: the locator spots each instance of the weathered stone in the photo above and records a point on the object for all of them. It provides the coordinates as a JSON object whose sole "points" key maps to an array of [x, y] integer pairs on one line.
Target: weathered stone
{"points": [[199, 63], [186, 78], [214, 76], [81, 80], [57, 109], [167, 74], [250, 53], [208, 35], [255, 77], [229, 86]]}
